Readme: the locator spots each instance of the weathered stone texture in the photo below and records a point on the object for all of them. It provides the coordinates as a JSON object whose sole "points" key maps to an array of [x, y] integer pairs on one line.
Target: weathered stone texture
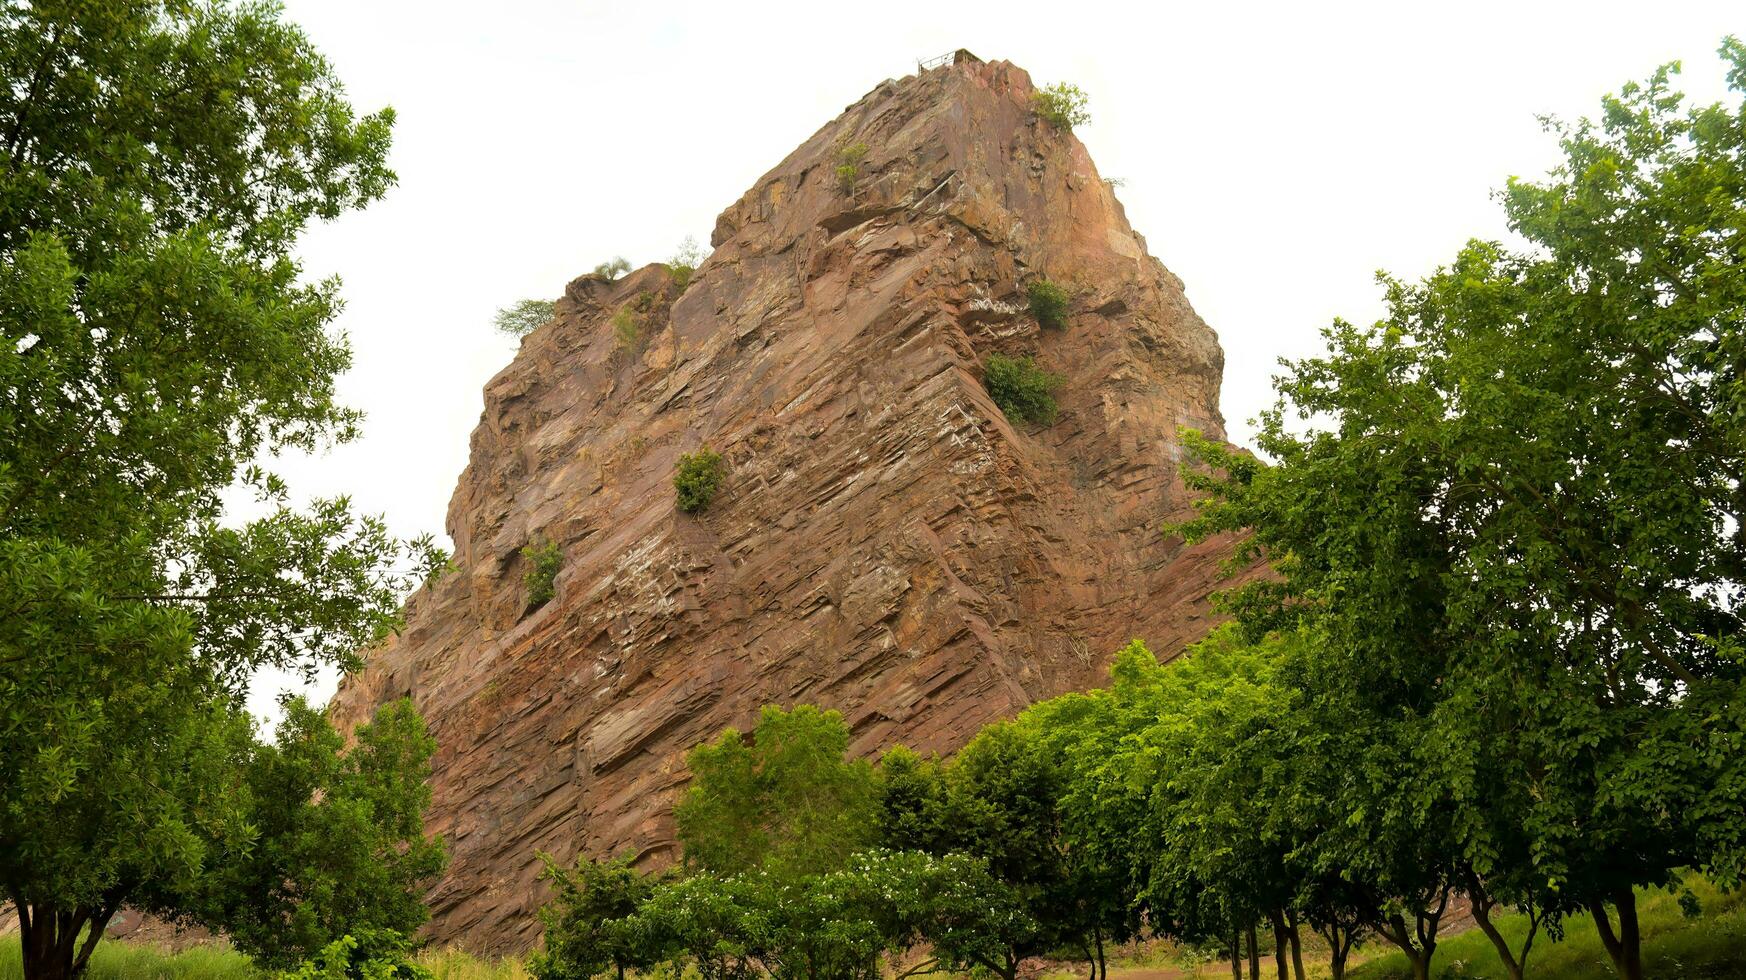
{"points": [[886, 543]]}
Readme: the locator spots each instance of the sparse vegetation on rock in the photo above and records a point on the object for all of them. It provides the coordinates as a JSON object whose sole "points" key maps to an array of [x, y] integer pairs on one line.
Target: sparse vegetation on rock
{"points": [[539, 582], [685, 262], [523, 317], [849, 166], [612, 269], [1048, 303], [700, 476], [1024, 391], [1061, 105]]}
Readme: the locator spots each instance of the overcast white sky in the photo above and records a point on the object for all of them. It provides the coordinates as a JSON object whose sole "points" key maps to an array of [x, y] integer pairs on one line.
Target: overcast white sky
{"points": [[1275, 156]]}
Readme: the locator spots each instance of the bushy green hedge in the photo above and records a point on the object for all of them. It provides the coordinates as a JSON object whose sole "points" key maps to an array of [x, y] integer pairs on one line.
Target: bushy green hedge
{"points": [[1024, 391], [700, 476]]}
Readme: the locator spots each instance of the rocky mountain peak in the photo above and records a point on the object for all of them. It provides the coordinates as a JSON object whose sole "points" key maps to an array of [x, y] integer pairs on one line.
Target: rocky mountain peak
{"points": [[886, 542]]}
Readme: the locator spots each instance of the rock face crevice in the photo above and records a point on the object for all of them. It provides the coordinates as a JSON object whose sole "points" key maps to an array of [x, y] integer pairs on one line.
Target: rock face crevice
{"points": [[886, 542]]}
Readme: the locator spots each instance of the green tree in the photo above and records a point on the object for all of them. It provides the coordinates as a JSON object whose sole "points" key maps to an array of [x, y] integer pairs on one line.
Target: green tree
{"points": [[339, 844], [524, 316], [1024, 391], [1515, 507], [786, 800], [706, 920], [587, 920], [157, 164]]}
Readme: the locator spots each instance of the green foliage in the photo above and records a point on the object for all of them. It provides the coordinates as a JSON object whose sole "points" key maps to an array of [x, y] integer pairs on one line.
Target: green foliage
{"points": [[366, 954], [539, 582], [1507, 516], [611, 270], [849, 166], [526, 315], [1061, 105], [700, 476], [685, 262], [340, 844], [786, 801], [1048, 303], [586, 929], [1713, 945], [159, 337], [1024, 391]]}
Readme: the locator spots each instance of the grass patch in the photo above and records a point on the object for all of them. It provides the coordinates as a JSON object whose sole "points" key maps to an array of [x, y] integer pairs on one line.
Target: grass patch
{"points": [[455, 964], [113, 960], [1710, 947], [117, 960]]}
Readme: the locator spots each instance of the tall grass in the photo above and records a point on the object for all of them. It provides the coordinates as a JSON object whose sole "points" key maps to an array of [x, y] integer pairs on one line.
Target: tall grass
{"points": [[1710, 947], [113, 960]]}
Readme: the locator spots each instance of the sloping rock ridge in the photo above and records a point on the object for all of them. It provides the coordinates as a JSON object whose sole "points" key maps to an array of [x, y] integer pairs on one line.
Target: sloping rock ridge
{"points": [[886, 542]]}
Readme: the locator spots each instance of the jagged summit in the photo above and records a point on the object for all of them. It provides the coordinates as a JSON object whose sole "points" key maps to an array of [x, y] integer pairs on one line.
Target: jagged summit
{"points": [[886, 543]]}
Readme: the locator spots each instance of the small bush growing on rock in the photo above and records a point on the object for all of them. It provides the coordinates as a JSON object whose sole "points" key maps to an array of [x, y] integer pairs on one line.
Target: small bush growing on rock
{"points": [[1024, 391], [520, 320], [613, 269], [1061, 105], [685, 262], [699, 477], [1048, 303], [540, 580], [849, 166]]}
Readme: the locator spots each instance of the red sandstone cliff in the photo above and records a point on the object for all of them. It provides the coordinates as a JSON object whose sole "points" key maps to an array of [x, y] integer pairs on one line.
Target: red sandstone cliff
{"points": [[886, 543]]}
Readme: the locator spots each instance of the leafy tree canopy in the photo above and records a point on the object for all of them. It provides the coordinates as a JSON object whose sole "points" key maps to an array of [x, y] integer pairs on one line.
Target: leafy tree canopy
{"points": [[157, 164]]}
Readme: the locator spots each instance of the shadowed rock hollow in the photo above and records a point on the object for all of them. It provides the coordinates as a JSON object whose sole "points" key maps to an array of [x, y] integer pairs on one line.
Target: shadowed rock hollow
{"points": [[886, 543]]}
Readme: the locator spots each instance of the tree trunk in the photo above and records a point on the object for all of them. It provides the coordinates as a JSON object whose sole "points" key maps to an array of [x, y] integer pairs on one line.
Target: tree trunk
{"points": [[1625, 946], [1296, 944], [1418, 956], [1512, 965], [1280, 966], [48, 940], [1254, 955], [1102, 960], [1237, 956]]}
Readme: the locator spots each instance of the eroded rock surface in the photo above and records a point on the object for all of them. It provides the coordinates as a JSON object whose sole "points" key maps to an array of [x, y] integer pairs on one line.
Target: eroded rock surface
{"points": [[886, 542]]}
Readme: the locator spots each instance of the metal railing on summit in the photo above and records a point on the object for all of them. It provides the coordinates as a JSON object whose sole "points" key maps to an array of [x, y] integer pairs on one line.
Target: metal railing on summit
{"points": [[931, 63]]}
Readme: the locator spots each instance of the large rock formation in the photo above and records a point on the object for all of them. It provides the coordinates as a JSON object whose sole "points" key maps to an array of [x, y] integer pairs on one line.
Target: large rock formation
{"points": [[886, 542]]}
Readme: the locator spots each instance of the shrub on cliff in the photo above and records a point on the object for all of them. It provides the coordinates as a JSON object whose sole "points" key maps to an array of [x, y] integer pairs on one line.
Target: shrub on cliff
{"points": [[540, 579], [849, 166], [613, 269], [521, 319], [1048, 303], [1061, 105], [1024, 391], [699, 477], [685, 262]]}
